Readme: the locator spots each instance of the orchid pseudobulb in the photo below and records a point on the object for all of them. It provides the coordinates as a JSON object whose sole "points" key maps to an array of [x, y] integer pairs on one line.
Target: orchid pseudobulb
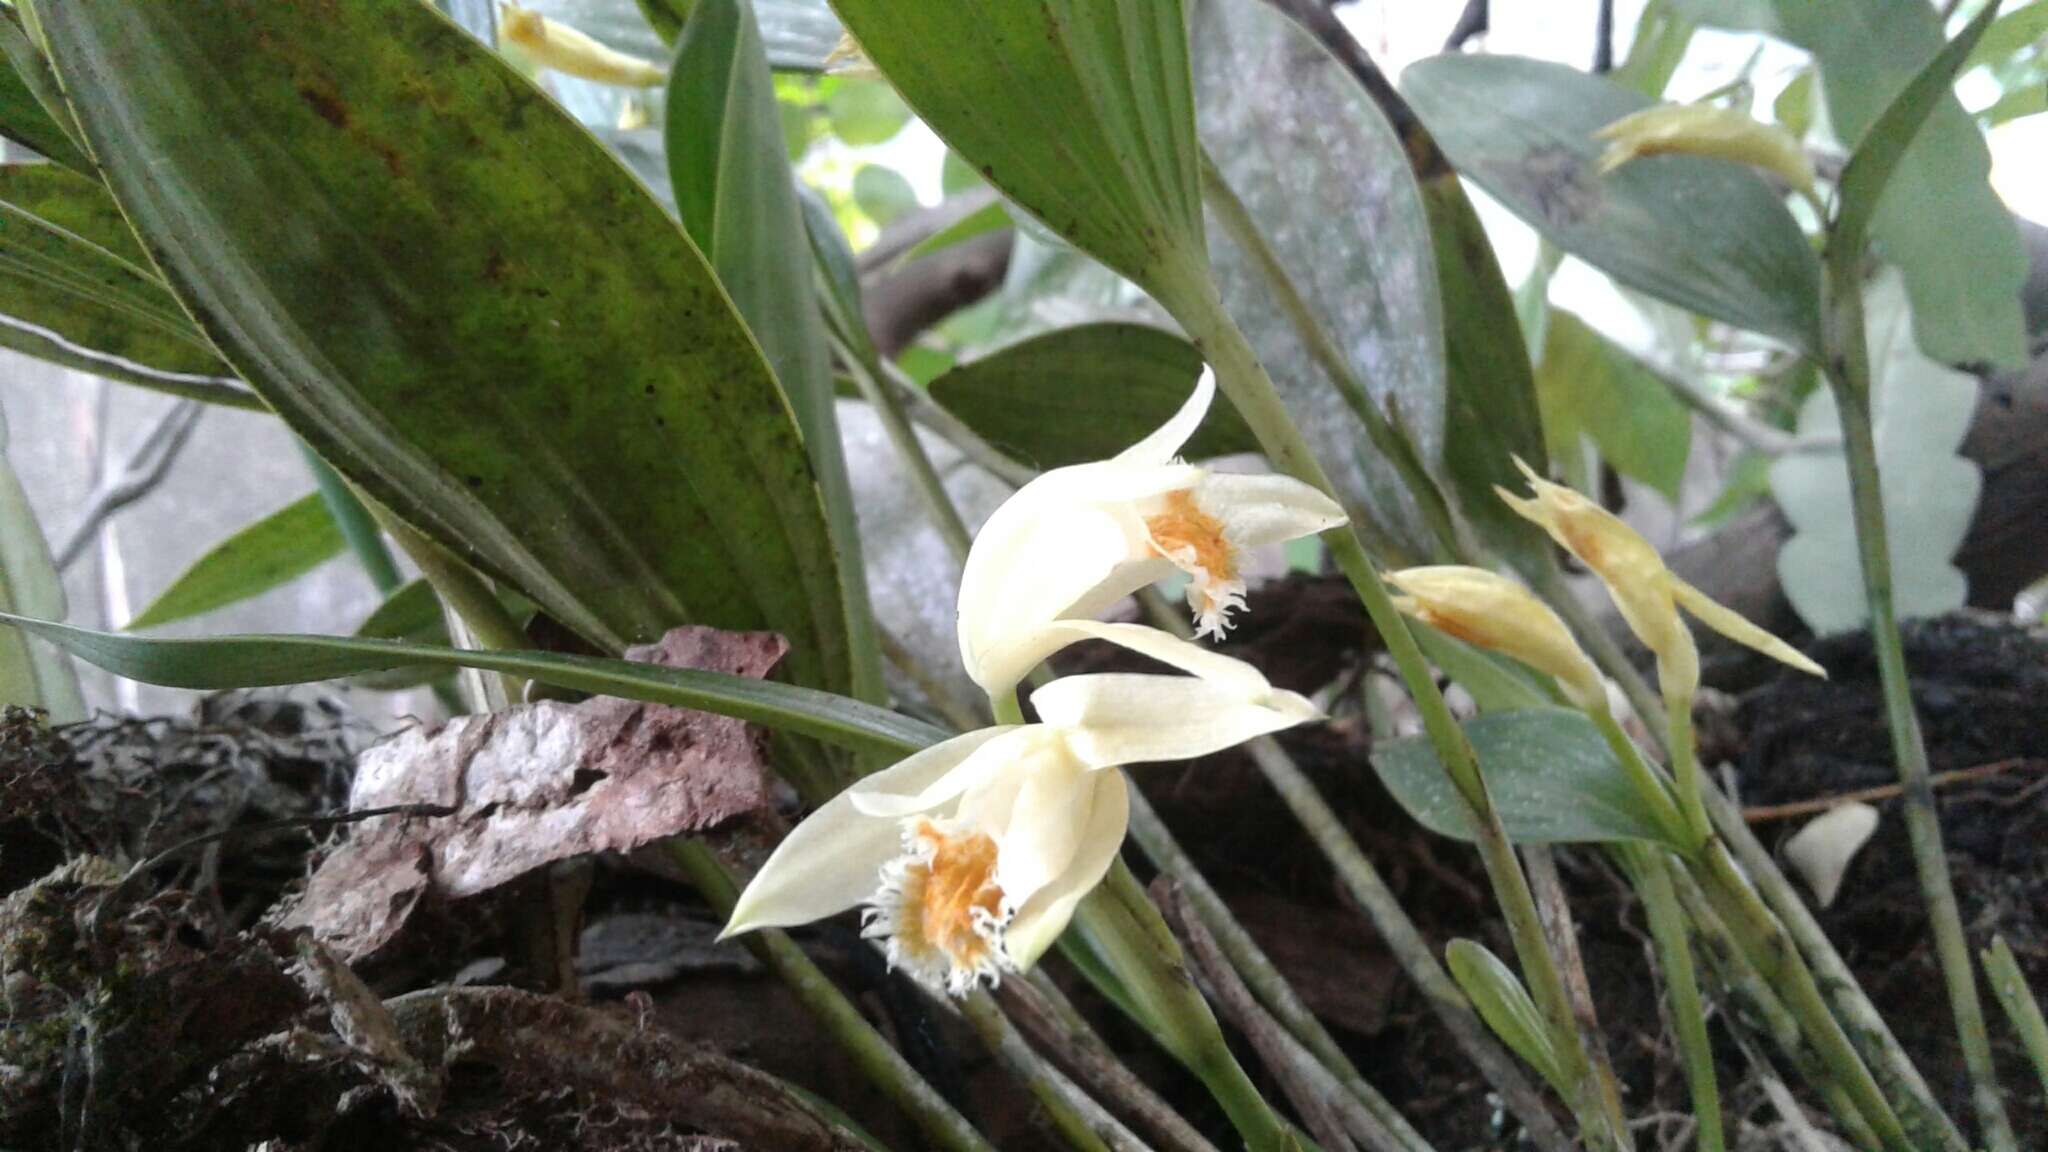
{"points": [[1077, 539]]}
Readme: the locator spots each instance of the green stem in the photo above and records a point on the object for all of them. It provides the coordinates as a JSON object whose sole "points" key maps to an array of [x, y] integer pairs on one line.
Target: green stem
{"points": [[938, 503], [1651, 788], [881, 1064], [1848, 372], [1925, 1121], [1600, 644], [1741, 984], [1652, 873], [1778, 961], [1133, 939], [357, 526], [1243, 379], [1080, 1121], [1393, 443], [1279, 997], [1685, 764]]}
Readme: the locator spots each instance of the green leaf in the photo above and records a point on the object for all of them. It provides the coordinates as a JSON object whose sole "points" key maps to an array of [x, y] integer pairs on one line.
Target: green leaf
{"points": [[2020, 29], [863, 112], [412, 614], [991, 217], [1704, 234], [1491, 415], [1921, 410], [1794, 106], [1327, 184], [1495, 683], [1552, 778], [25, 89], [75, 286], [737, 199], [1662, 36], [882, 193], [1499, 998], [2031, 100], [30, 675], [270, 553], [1749, 480], [2009, 984], [1938, 219], [462, 302], [1587, 385], [225, 662], [1086, 393], [1079, 110], [1880, 158]]}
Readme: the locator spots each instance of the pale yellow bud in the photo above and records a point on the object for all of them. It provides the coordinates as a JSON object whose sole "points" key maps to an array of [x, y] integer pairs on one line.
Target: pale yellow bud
{"points": [[1492, 611], [564, 49], [1647, 593], [1706, 130]]}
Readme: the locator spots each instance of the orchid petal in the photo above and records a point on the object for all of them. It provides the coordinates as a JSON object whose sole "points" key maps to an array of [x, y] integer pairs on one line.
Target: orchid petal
{"points": [[1129, 718], [1165, 443], [1019, 748], [1047, 819], [1260, 510], [1041, 919], [1738, 628], [1168, 649], [833, 860]]}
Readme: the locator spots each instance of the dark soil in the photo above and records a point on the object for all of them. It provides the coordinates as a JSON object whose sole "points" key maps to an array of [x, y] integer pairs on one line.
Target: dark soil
{"points": [[155, 1010]]}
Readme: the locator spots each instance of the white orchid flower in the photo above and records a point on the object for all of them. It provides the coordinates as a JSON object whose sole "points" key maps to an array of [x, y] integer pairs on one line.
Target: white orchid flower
{"points": [[972, 854], [1078, 539]]}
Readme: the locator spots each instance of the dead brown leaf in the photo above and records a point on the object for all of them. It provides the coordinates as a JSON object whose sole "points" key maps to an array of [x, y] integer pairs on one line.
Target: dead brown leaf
{"points": [[535, 784]]}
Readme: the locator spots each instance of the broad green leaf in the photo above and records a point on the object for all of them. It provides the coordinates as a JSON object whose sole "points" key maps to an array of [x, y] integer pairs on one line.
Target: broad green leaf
{"points": [[75, 286], [1495, 683], [1499, 998], [882, 193], [270, 553], [260, 661], [1588, 386], [991, 217], [551, 379], [1707, 235], [1939, 220], [1491, 416], [1086, 393], [737, 199], [2021, 27], [1882, 156], [30, 674], [1329, 189], [24, 115], [1921, 410], [1552, 778], [863, 111], [1079, 110], [1662, 36]]}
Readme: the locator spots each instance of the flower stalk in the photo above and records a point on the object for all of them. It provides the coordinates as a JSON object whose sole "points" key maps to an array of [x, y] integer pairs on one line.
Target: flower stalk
{"points": [[1244, 380]]}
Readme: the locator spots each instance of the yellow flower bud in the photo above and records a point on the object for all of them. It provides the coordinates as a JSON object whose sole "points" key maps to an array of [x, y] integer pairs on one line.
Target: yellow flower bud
{"points": [[1706, 130], [564, 49], [1492, 611], [1647, 593]]}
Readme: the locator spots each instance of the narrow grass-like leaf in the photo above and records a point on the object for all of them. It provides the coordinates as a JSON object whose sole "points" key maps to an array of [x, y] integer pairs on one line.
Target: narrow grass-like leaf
{"points": [[258, 661], [30, 675], [737, 199], [24, 114], [270, 553], [1552, 777]]}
